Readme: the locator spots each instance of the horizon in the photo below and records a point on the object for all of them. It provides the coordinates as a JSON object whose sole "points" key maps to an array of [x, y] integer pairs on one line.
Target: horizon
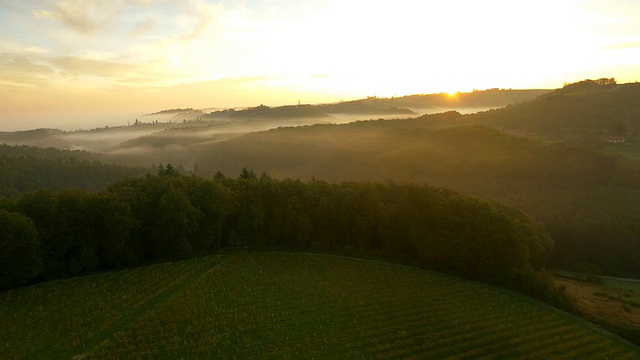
{"points": [[125, 120], [71, 64]]}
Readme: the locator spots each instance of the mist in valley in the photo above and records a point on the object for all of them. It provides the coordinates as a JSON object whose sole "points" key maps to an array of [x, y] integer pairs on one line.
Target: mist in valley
{"points": [[179, 136]]}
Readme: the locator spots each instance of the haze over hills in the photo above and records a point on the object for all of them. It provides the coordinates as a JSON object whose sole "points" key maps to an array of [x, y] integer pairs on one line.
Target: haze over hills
{"points": [[586, 199], [589, 114], [263, 117]]}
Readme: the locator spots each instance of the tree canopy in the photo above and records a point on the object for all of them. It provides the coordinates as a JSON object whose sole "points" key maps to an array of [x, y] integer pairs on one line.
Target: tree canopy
{"points": [[144, 220]]}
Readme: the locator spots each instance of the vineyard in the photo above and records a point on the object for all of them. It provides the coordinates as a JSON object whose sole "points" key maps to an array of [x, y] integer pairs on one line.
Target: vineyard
{"points": [[282, 305]]}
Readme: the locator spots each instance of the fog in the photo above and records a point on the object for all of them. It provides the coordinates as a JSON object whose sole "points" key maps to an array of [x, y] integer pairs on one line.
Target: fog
{"points": [[177, 135]]}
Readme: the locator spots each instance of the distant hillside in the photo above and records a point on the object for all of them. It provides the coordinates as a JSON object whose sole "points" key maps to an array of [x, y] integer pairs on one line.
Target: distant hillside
{"points": [[589, 113], [37, 137], [170, 111], [374, 106], [24, 169], [477, 99], [370, 106], [223, 124], [587, 200], [264, 112], [176, 114]]}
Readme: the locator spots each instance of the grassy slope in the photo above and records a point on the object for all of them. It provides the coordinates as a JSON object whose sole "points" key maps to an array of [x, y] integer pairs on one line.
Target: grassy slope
{"points": [[615, 304], [579, 115], [285, 305]]}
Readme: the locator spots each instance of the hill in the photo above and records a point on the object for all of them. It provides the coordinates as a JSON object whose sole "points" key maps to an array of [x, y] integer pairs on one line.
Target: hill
{"points": [[36, 137], [586, 199], [466, 102], [264, 112], [285, 305], [367, 107], [594, 114], [24, 169], [230, 122]]}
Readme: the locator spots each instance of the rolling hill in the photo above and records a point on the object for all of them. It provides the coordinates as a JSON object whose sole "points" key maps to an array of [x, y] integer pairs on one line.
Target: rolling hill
{"points": [[284, 305], [24, 169], [592, 114], [586, 199]]}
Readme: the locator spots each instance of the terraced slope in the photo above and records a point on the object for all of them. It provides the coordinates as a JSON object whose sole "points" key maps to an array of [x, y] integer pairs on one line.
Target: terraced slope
{"points": [[282, 305]]}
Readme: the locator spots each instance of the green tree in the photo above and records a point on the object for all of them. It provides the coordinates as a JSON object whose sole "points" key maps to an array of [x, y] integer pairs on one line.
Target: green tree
{"points": [[246, 174], [20, 252], [168, 170]]}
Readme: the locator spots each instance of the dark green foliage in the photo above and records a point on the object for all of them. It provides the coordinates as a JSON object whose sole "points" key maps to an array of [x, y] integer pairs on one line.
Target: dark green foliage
{"points": [[171, 217], [24, 169], [20, 252], [587, 200], [168, 170], [570, 114], [80, 232]]}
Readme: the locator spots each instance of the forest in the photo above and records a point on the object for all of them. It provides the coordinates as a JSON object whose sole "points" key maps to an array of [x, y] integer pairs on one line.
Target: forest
{"points": [[581, 197], [55, 234], [587, 200], [24, 168]]}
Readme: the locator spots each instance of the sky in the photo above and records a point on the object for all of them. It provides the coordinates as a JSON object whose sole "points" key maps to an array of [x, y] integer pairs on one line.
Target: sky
{"points": [[80, 63]]}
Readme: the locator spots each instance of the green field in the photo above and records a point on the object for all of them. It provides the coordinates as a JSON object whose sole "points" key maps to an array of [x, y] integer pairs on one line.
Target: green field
{"points": [[283, 305]]}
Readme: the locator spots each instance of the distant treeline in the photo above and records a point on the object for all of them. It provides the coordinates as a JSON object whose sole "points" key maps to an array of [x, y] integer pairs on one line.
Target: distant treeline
{"points": [[24, 168], [48, 235]]}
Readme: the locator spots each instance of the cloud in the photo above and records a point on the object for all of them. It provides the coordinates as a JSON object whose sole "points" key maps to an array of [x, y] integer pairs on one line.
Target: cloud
{"points": [[38, 68], [78, 66], [199, 18], [19, 70], [144, 27], [84, 17]]}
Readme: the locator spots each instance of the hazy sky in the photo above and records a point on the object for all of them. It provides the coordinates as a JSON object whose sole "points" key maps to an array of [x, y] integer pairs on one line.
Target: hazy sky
{"points": [[77, 62]]}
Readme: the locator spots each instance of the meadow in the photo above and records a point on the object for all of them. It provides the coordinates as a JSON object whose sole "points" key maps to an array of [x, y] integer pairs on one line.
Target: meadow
{"points": [[289, 305]]}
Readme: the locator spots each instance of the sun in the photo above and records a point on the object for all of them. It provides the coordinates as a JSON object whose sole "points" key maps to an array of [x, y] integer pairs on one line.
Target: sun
{"points": [[452, 93]]}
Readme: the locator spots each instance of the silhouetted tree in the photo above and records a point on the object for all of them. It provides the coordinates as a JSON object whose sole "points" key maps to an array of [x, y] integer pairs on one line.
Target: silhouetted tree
{"points": [[20, 251], [246, 174]]}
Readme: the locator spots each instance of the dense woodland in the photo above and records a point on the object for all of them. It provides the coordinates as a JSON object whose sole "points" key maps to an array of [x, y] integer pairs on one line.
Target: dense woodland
{"points": [[581, 114], [587, 200], [24, 168], [49, 235]]}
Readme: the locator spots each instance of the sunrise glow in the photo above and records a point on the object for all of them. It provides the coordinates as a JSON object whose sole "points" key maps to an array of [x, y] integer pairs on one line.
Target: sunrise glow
{"points": [[72, 59]]}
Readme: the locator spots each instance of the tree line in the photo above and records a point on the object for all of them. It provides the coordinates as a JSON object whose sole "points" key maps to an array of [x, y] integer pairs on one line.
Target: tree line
{"points": [[48, 234], [24, 169]]}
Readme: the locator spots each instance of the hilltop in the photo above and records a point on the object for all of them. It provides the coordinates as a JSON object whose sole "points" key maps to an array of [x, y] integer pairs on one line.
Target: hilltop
{"points": [[598, 115]]}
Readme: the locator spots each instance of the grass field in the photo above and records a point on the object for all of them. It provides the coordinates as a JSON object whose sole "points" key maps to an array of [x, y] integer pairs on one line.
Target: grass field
{"points": [[296, 306]]}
